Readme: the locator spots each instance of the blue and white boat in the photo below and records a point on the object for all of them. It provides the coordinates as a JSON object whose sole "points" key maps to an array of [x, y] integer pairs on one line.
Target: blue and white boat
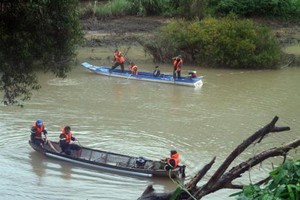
{"points": [[145, 76]]}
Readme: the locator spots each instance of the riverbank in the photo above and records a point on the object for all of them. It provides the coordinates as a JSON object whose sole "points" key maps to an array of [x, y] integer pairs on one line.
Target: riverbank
{"points": [[119, 31], [128, 27], [126, 31]]}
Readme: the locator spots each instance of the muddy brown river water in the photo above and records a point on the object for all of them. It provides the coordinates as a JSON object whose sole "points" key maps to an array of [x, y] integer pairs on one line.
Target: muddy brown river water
{"points": [[143, 119]]}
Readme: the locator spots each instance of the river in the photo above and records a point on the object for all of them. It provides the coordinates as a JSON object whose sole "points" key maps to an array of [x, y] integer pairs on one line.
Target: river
{"points": [[143, 119]]}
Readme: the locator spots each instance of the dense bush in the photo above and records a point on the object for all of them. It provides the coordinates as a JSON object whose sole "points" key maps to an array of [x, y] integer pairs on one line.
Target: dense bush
{"points": [[113, 8], [287, 9], [191, 9], [284, 184], [171, 8], [227, 42]]}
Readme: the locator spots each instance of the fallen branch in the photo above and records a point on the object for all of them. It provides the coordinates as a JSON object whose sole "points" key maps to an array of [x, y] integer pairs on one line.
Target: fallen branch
{"points": [[220, 179]]}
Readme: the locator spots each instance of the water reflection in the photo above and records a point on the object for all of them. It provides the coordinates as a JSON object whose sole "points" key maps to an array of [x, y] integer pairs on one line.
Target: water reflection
{"points": [[42, 165], [65, 170], [38, 165]]}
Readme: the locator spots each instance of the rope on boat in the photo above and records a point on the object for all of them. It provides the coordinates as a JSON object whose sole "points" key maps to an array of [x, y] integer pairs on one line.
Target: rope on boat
{"points": [[179, 186]]}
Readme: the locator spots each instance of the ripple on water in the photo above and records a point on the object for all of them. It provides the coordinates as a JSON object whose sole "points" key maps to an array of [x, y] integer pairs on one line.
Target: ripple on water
{"points": [[63, 82]]}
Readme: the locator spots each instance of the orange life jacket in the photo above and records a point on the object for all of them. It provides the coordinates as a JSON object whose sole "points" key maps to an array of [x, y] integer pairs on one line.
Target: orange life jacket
{"points": [[177, 64], [134, 69], [39, 130], [67, 135], [174, 157], [119, 57]]}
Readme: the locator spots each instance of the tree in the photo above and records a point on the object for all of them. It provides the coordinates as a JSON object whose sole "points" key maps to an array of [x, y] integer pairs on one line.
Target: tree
{"points": [[35, 35], [222, 178]]}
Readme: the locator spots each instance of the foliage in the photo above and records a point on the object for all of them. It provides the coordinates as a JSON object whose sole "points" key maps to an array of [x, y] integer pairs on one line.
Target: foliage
{"points": [[235, 43], [286, 9], [148, 7], [192, 9], [113, 8], [189, 9], [226, 42], [284, 184], [35, 35]]}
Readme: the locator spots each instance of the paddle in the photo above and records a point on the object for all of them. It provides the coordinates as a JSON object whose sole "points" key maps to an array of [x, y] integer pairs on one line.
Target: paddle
{"points": [[51, 146]]}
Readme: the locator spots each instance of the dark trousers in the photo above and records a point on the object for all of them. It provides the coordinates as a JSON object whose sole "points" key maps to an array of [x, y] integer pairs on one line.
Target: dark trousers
{"points": [[178, 74], [118, 64], [38, 142], [68, 147]]}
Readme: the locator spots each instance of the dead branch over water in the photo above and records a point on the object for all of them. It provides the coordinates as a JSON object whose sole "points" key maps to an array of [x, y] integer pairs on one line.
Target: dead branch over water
{"points": [[223, 178]]}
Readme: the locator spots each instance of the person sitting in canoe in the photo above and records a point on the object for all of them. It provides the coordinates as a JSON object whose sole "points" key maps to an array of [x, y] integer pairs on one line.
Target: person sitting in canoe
{"points": [[133, 68], [119, 60], [37, 130], [156, 71], [172, 162], [66, 142]]}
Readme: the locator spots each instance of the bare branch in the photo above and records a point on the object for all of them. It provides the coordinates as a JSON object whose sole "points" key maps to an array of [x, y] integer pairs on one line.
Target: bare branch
{"points": [[192, 184], [220, 179]]}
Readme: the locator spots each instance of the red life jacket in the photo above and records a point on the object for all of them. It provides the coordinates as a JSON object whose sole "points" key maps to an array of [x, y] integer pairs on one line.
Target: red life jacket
{"points": [[177, 64], [134, 69], [119, 57], [174, 157], [68, 136], [38, 131]]}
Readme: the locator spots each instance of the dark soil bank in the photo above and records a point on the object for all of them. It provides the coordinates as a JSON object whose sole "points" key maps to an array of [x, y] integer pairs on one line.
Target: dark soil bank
{"points": [[128, 27]]}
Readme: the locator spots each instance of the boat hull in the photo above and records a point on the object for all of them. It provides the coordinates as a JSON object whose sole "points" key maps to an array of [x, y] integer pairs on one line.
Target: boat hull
{"points": [[107, 161], [144, 76]]}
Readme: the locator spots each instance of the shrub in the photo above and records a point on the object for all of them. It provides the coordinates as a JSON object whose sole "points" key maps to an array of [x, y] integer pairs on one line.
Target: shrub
{"points": [[227, 42], [284, 184], [235, 43], [286, 9], [113, 8]]}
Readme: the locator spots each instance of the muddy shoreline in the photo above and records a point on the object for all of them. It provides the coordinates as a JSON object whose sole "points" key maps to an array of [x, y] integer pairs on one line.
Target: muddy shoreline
{"points": [[119, 31], [128, 30], [125, 30]]}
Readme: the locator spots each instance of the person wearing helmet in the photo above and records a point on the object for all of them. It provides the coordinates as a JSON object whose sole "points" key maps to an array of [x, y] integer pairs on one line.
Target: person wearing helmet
{"points": [[66, 142], [37, 131]]}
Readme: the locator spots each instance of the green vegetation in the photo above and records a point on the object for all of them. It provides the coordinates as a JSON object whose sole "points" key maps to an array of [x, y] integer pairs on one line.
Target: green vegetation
{"points": [[284, 184], [284, 9], [171, 8], [226, 42], [35, 35], [114, 8], [191, 9]]}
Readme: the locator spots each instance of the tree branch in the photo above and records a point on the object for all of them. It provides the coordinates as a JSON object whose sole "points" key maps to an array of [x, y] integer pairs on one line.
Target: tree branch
{"points": [[192, 184], [221, 180]]}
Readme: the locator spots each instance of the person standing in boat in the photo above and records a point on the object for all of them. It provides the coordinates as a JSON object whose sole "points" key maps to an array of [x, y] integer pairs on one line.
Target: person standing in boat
{"points": [[66, 142], [119, 60], [37, 131], [177, 63], [133, 68], [173, 161], [156, 71]]}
